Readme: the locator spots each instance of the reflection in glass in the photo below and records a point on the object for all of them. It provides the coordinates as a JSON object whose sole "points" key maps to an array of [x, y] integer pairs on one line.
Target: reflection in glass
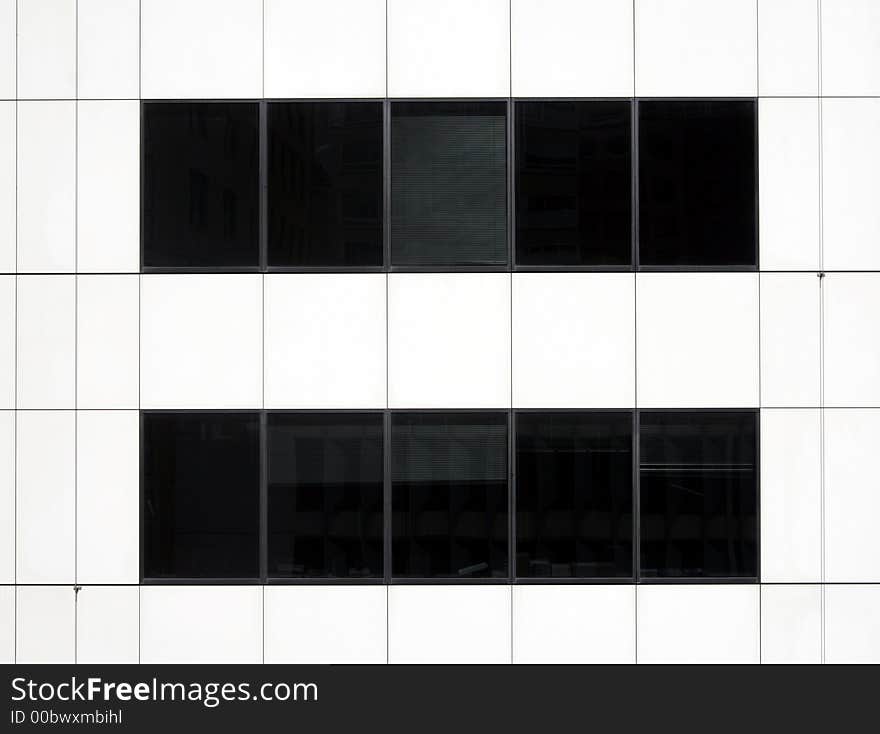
{"points": [[449, 495], [573, 183], [448, 183], [697, 183], [574, 494], [699, 494], [325, 495], [201, 184], [201, 485], [325, 184]]}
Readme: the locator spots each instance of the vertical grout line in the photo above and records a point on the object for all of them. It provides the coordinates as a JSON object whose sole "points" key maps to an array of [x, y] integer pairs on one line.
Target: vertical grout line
{"points": [[634, 46], [76, 336], [510, 48], [757, 49], [15, 376], [634, 223], [760, 622], [822, 486], [511, 624], [511, 259], [759, 315], [140, 309], [386, 420], [636, 622]]}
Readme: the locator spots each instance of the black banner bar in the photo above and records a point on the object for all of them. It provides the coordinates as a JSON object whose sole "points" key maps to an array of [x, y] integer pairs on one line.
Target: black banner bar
{"points": [[450, 698]]}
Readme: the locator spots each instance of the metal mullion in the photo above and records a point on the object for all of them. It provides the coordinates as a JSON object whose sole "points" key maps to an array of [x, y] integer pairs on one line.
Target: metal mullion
{"points": [[636, 497], [386, 496], [141, 521], [511, 184], [264, 185], [264, 496], [634, 184], [511, 496], [386, 184]]}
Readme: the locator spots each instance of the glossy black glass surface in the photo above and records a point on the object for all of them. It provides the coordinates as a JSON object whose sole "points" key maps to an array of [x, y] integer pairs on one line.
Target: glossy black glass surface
{"points": [[574, 495], [200, 184], [201, 487], [699, 494], [697, 183], [448, 183], [325, 495], [449, 495], [325, 184], [573, 183]]}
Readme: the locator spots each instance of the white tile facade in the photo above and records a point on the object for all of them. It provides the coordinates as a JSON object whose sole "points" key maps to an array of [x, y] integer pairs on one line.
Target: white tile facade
{"points": [[86, 341]]}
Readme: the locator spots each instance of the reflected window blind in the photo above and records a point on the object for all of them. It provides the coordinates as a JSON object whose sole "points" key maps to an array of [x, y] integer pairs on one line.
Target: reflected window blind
{"points": [[448, 184], [457, 449]]}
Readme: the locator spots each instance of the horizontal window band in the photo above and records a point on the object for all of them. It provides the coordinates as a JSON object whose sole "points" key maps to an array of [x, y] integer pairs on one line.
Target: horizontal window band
{"points": [[452, 497], [339, 185]]}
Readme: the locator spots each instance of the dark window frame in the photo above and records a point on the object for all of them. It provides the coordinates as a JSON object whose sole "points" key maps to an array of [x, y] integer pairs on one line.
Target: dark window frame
{"points": [[261, 167], [387, 578], [195, 581], [509, 112], [511, 265], [757, 175], [634, 438], [633, 265], [264, 183], [506, 417], [264, 490], [756, 413]]}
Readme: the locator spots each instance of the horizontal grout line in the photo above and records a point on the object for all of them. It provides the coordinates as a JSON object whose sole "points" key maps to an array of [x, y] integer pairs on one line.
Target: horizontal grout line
{"points": [[46, 274], [518, 270], [73, 99], [77, 409], [451, 410], [562, 581], [515, 98]]}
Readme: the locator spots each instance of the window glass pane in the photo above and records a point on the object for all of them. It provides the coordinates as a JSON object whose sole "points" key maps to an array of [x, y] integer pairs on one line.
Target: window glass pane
{"points": [[448, 183], [325, 495], [573, 183], [201, 485], [697, 183], [574, 482], [449, 495], [325, 184], [201, 184], [699, 494]]}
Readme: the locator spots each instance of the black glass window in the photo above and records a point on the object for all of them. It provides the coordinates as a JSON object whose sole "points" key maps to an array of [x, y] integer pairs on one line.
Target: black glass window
{"points": [[448, 183], [201, 495], [325, 184], [201, 184], [325, 495], [573, 183], [449, 495], [574, 494], [698, 494], [697, 183]]}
